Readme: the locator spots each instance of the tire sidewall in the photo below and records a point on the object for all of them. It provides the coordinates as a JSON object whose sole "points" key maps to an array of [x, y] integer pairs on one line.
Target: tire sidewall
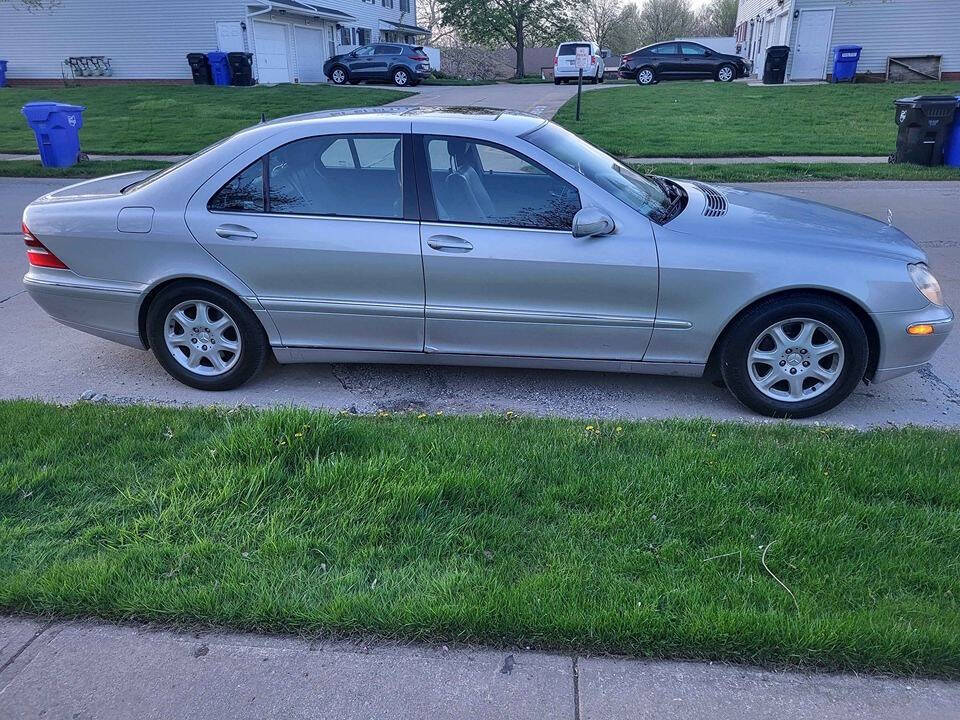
{"points": [[333, 76], [254, 345], [652, 74], [739, 340], [733, 73], [406, 73]]}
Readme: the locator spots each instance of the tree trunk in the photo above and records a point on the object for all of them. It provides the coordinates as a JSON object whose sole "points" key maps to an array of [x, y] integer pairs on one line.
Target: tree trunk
{"points": [[519, 47]]}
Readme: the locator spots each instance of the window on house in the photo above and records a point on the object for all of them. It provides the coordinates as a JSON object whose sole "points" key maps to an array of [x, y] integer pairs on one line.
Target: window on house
{"points": [[345, 38], [404, 5], [387, 3], [363, 36]]}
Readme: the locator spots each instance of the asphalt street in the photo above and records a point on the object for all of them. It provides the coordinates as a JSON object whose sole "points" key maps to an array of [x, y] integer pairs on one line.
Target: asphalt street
{"points": [[41, 359]]}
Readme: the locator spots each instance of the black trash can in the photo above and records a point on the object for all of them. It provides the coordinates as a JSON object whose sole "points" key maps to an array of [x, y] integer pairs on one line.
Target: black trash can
{"points": [[200, 67], [775, 66], [241, 68], [924, 124]]}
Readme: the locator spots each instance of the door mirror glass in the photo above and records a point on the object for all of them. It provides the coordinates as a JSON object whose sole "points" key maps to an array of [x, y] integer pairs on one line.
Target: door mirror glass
{"points": [[592, 222]]}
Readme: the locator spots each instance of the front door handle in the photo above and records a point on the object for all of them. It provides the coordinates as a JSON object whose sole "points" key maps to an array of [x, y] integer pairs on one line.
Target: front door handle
{"points": [[235, 232], [449, 243]]}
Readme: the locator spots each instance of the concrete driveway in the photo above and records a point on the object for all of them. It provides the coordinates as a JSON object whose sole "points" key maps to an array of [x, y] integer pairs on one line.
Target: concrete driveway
{"points": [[42, 359], [538, 98]]}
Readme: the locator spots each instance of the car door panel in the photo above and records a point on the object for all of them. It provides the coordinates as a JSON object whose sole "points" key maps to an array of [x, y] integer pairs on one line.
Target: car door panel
{"points": [[695, 61], [534, 292], [327, 281]]}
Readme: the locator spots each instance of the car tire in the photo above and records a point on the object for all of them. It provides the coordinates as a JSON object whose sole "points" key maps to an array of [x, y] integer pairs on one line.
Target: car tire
{"points": [[794, 357], [339, 75], [600, 78], [556, 81], [233, 332], [401, 77], [646, 76], [726, 73]]}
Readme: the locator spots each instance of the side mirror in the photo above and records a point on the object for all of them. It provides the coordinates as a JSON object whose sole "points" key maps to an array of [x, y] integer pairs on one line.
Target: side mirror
{"points": [[592, 222]]}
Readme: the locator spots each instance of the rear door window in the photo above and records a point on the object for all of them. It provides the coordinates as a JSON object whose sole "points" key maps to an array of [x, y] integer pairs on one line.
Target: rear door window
{"points": [[571, 48], [666, 49]]}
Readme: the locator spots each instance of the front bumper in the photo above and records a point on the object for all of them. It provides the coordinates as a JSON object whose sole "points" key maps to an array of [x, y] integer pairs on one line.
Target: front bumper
{"points": [[902, 353]]}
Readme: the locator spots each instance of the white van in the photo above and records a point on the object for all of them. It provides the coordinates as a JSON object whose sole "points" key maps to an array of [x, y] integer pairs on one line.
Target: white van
{"points": [[565, 63]]}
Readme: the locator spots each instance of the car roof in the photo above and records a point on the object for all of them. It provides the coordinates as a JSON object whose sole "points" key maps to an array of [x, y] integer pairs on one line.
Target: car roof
{"points": [[512, 122]]}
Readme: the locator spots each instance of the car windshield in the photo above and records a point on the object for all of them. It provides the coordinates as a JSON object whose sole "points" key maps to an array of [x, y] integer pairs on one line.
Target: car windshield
{"points": [[637, 191]]}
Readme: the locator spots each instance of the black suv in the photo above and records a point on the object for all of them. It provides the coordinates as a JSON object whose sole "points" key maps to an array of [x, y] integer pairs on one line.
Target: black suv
{"points": [[680, 61], [403, 65]]}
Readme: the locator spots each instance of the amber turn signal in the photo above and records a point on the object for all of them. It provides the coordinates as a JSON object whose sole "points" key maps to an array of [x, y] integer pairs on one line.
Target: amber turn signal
{"points": [[920, 330]]}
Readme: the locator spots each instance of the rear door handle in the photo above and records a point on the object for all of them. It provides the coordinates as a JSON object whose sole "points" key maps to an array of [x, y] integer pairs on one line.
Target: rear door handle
{"points": [[449, 243], [235, 232]]}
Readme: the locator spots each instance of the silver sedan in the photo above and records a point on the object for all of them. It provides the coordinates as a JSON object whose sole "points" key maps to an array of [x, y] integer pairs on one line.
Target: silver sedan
{"points": [[478, 237]]}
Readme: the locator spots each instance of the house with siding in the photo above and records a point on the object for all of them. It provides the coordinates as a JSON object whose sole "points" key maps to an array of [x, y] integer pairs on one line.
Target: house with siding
{"points": [[149, 41], [884, 28]]}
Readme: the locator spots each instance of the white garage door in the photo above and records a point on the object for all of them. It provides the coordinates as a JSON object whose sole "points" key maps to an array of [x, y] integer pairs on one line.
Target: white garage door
{"points": [[310, 54], [271, 52]]}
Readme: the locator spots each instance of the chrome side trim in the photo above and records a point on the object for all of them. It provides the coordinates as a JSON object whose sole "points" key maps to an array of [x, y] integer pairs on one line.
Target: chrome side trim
{"points": [[664, 324], [342, 307], [511, 228], [307, 216], [435, 312], [79, 285], [325, 355]]}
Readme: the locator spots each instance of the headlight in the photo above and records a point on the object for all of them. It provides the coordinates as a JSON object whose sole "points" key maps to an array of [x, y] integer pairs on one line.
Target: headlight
{"points": [[926, 283]]}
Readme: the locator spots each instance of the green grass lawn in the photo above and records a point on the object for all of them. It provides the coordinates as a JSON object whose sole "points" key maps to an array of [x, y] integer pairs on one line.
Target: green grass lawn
{"points": [[697, 119], [777, 172], [170, 119], [98, 168], [640, 538]]}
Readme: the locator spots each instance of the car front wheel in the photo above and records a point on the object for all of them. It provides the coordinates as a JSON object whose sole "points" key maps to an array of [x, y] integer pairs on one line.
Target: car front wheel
{"points": [[646, 76], [726, 73], [794, 357], [205, 337], [339, 76]]}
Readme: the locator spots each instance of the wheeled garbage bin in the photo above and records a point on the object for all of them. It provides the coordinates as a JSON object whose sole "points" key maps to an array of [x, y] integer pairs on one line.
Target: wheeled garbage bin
{"points": [[951, 148], [219, 68], [200, 67], [3, 73], [845, 59], [775, 66], [924, 122], [57, 129], [241, 68]]}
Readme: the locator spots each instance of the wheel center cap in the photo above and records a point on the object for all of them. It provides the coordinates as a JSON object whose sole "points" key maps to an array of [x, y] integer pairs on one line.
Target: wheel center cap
{"points": [[794, 359]]}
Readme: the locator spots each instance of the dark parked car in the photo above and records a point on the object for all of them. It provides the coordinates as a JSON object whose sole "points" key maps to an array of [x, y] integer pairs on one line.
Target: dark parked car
{"points": [[680, 61], [403, 65]]}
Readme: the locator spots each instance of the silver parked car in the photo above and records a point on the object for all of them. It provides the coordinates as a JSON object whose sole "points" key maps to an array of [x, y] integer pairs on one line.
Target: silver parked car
{"points": [[478, 237]]}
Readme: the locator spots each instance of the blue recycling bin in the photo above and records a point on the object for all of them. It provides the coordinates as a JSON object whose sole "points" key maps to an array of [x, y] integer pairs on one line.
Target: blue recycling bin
{"points": [[57, 128], [845, 59], [219, 68], [951, 148], [3, 73]]}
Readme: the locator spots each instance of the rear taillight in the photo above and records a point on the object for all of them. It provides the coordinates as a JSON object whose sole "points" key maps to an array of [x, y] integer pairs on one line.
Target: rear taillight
{"points": [[37, 254], [555, 59], [593, 61], [626, 58], [419, 58]]}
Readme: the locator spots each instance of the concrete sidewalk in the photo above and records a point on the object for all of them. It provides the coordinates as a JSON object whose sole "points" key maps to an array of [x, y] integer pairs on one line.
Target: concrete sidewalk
{"points": [[84, 670]]}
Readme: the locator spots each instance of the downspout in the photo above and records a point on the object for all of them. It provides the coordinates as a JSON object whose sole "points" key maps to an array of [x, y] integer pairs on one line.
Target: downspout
{"points": [[790, 12]]}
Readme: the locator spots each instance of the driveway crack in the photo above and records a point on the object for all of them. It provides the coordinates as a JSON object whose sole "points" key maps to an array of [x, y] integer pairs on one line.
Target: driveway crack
{"points": [[23, 648], [576, 688], [952, 395], [11, 297]]}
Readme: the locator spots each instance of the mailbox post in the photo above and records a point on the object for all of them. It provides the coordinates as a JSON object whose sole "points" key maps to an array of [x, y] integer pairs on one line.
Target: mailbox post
{"points": [[583, 62]]}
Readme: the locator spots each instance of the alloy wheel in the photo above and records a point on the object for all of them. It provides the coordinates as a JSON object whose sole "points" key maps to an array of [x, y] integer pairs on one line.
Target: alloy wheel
{"points": [[795, 359], [339, 76], [400, 77], [645, 76], [725, 74], [202, 338]]}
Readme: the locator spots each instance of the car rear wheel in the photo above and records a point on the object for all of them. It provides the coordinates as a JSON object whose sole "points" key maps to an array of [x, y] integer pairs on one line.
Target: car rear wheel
{"points": [[726, 73], [401, 78], [339, 76], [205, 337], [646, 76], [794, 358], [556, 81]]}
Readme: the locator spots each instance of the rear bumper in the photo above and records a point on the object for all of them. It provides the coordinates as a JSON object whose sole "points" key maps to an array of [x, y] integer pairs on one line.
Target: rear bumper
{"points": [[573, 73], [101, 308], [627, 73], [901, 353]]}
